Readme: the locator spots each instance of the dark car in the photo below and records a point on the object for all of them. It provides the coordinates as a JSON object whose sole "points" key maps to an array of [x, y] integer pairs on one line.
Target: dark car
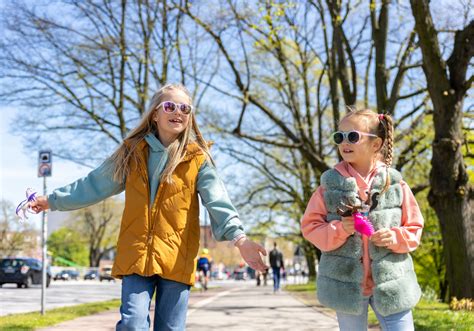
{"points": [[106, 274], [23, 272], [67, 275], [92, 275]]}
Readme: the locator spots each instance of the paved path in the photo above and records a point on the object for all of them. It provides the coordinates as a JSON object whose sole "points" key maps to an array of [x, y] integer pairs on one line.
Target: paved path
{"points": [[241, 307]]}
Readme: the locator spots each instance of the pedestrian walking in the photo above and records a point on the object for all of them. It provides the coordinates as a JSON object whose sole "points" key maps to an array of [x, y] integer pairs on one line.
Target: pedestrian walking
{"points": [[277, 265]]}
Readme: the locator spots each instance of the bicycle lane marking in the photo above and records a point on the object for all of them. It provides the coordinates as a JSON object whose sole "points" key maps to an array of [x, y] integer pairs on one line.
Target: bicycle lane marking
{"points": [[207, 301]]}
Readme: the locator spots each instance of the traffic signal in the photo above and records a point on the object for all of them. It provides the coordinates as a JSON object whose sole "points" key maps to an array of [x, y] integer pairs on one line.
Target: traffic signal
{"points": [[45, 163]]}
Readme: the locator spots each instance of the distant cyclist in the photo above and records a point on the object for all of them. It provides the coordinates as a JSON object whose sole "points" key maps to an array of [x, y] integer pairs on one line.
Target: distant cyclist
{"points": [[204, 267]]}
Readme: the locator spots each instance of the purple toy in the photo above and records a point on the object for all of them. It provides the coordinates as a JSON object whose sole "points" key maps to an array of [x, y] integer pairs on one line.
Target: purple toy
{"points": [[24, 206]]}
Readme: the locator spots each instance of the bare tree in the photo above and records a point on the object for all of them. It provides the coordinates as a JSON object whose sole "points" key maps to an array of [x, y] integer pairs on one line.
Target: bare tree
{"points": [[451, 194], [281, 187], [99, 226], [88, 71], [284, 105], [17, 237]]}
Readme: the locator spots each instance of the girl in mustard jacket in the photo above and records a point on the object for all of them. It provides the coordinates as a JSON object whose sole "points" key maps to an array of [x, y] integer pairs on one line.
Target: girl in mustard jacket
{"points": [[163, 164]]}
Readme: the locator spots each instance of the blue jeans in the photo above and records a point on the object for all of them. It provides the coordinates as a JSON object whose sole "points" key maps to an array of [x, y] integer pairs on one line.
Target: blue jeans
{"points": [[276, 278], [171, 304], [397, 322]]}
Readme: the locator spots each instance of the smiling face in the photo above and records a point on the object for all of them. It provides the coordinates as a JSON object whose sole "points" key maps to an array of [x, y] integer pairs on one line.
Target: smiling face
{"points": [[366, 150], [170, 125]]}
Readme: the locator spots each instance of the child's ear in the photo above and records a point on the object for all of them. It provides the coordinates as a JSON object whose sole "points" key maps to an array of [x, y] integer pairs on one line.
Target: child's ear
{"points": [[378, 143]]}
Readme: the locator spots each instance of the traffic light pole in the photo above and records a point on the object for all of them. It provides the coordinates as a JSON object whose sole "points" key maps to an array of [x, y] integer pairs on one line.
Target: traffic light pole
{"points": [[45, 254], [45, 163]]}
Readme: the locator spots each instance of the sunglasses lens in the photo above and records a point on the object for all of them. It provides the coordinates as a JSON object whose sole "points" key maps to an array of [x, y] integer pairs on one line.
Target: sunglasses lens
{"points": [[169, 107], [185, 109], [338, 137], [353, 137]]}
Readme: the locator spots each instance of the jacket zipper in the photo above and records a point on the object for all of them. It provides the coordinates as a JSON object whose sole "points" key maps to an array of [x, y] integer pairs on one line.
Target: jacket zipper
{"points": [[151, 222]]}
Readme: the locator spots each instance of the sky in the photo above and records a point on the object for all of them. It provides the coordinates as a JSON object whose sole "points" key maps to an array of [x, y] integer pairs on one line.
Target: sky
{"points": [[19, 168]]}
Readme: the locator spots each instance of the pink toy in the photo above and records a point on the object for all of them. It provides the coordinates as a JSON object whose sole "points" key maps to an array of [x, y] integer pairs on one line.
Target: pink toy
{"points": [[362, 224]]}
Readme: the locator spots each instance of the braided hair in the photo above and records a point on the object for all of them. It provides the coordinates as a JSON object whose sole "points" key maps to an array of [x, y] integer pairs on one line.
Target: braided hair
{"points": [[385, 129]]}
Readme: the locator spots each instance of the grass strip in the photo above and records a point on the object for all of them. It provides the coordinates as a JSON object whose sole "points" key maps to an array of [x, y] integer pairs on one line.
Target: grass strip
{"points": [[34, 320]]}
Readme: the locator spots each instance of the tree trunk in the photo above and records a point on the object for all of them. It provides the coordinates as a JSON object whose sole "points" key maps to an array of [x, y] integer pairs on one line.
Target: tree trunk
{"points": [[311, 254], [450, 194], [449, 197]]}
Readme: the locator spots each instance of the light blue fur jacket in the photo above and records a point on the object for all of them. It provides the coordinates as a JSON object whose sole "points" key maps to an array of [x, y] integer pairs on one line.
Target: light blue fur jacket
{"points": [[340, 271]]}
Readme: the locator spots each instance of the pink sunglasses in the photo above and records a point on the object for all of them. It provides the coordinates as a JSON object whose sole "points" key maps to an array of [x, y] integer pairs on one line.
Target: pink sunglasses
{"points": [[170, 107]]}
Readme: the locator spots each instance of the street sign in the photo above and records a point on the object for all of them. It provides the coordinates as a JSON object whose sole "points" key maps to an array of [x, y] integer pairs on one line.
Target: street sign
{"points": [[45, 163]]}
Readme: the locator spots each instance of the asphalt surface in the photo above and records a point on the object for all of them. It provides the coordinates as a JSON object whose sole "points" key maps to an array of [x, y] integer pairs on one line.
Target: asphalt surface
{"points": [[60, 294]]}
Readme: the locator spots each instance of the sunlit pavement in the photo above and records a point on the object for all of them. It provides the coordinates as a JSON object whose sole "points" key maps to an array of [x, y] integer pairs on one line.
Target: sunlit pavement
{"points": [[234, 305]]}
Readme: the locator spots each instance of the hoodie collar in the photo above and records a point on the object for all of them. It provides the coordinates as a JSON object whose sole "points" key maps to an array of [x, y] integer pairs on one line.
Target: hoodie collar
{"points": [[154, 143], [346, 170]]}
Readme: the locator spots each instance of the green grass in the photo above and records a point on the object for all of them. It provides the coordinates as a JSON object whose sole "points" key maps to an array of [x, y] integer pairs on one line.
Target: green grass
{"points": [[31, 321], [310, 287], [438, 316], [428, 315]]}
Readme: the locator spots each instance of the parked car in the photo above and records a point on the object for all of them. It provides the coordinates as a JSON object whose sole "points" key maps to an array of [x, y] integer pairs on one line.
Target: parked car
{"points": [[67, 275], [91, 275], [240, 274], [23, 272], [106, 274]]}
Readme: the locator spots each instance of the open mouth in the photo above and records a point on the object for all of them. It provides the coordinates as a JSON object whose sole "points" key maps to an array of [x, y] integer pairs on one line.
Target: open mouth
{"points": [[347, 150], [176, 120]]}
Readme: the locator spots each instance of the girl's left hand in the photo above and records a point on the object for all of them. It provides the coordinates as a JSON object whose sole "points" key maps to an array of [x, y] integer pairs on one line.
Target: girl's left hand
{"points": [[250, 252], [383, 237]]}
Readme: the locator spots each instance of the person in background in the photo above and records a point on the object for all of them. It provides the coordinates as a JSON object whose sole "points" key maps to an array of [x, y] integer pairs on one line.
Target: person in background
{"points": [[277, 265], [204, 265]]}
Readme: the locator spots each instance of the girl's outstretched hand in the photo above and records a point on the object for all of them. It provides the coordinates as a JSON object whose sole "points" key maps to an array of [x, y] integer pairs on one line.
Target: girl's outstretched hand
{"points": [[40, 204], [383, 237], [250, 252]]}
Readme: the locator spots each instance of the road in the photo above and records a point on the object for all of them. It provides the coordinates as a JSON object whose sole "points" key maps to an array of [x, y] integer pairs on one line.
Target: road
{"points": [[59, 294]]}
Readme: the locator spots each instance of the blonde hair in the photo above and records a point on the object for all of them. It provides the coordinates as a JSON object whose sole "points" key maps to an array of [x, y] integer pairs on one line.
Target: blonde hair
{"points": [[127, 151], [382, 126]]}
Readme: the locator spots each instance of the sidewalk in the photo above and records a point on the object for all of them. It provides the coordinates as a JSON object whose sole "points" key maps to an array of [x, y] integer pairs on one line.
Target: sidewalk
{"points": [[243, 307], [258, 308], [106, 321]]}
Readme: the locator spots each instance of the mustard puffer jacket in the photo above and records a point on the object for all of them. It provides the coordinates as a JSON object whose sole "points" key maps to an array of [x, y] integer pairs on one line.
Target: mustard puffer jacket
{"points": [[164, 239]]}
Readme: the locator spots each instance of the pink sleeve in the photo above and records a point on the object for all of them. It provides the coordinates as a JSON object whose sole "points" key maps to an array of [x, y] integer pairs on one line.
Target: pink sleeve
{"points": [[408, 236], [325, 236]]}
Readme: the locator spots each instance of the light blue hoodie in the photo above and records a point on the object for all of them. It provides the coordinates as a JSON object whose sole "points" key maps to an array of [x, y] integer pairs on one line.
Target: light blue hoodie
{"points": [[99, 185]]}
